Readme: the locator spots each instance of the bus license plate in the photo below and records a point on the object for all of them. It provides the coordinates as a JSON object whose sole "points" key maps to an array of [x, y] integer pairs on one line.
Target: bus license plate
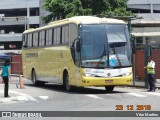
{"points": [[108, 81]]}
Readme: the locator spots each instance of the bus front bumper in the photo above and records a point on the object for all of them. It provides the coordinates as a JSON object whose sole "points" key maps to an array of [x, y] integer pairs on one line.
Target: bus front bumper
{"points": [[98, 81]]}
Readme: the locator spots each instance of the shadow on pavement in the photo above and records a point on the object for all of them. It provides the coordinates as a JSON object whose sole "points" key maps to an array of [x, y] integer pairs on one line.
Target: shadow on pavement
{"points": [[75, 90]]}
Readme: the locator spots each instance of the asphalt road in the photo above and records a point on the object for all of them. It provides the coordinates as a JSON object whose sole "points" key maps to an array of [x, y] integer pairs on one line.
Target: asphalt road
{"points": [[54, 98]]}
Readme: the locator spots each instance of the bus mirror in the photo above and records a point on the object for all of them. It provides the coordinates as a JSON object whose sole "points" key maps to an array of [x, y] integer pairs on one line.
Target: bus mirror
{"points": [[78, 46], [25, 45]]}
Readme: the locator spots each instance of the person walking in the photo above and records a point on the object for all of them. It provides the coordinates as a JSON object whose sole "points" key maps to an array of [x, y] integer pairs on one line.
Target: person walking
{"points": [[6, 75], [151, 73]]}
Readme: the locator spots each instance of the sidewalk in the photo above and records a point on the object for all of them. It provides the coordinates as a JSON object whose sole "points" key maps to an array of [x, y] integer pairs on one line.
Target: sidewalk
{"points": [[16, 94], [142, 83]]}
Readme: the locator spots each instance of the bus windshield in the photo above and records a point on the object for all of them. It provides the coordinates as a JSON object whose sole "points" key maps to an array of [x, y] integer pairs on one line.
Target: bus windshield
{"points": [[105, 45]]}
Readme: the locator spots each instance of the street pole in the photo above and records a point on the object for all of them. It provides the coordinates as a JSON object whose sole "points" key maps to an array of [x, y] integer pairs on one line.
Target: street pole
{"points": [[25, 23], [129, 24], [145, 62]]}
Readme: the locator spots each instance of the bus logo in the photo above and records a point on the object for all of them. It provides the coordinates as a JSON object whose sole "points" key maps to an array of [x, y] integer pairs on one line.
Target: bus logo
{"points": [[6, 114], [31, 55], [109, 74]]}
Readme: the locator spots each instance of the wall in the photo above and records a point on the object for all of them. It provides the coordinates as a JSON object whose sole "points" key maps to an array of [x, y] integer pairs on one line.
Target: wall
{"points": [[143, 1], [16, 65], [12, 4], [156, 58], [139, 65]]}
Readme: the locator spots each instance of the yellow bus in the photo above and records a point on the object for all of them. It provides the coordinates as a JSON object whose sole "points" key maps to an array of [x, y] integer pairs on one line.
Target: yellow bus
{"points": [[79, 51]]}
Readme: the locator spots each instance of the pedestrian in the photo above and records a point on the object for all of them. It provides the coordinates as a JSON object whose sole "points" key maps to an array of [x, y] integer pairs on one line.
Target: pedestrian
{"points": [[151, 73], [5, 76]]}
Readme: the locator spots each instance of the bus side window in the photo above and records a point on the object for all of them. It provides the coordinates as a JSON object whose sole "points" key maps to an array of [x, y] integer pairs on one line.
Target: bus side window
{"points": [[42, 38], [35, 39], [52, 36], [65, 34], [73, 33], [48, 37], [58, 35], [29, 40], [73, 37], [55, 36]]}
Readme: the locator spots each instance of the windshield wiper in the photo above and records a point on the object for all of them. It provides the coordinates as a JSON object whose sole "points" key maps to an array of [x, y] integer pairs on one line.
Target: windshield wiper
{"points": [[119, 61], [101, 57]]}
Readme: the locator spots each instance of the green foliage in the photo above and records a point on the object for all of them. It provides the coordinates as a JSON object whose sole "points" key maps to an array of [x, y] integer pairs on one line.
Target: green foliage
{"points": [[60, 9], [118, 8]]}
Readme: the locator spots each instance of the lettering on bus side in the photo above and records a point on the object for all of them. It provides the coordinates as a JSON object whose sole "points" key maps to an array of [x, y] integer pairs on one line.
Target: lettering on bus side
{"points": [[61, 55], [31, 55]]}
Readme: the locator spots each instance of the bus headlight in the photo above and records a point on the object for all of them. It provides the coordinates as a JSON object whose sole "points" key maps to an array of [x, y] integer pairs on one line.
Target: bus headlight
{"points": [[88, 75], [127, 74]]}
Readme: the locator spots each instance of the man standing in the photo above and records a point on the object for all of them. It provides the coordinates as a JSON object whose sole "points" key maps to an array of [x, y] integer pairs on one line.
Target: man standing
{"points": [[151, 73]]}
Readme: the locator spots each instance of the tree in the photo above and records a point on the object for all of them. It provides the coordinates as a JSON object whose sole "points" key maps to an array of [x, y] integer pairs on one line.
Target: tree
{"points": [[107, 7], [60, 9], [118, 8]]}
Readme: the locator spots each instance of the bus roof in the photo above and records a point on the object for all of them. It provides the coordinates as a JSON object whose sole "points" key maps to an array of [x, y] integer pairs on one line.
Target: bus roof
{"points": [[79, 20]]}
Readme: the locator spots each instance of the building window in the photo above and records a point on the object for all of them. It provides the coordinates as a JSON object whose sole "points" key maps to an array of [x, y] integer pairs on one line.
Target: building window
{"points": [[34, 26], [139, 40], [156, 8], [34, 11], [144, 8], [140, 11], [14, 12]]}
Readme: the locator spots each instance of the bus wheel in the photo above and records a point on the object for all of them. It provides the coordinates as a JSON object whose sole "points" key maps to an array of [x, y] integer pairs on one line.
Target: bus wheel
{"points": [[68, 87], [109, 88], [34, 79]]}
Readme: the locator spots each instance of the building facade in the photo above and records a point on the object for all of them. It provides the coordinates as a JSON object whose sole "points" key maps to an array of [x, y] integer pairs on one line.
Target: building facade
{"points": [[146, 31], [148, 13], [15, 17]]}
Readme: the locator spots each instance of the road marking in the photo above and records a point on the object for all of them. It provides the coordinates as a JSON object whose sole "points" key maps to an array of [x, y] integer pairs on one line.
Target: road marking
{"points": [[14, 99], [5, 100], [136, 94], [44, 97], [20, 98], [94, 96], [154, 93], [22, 94]]}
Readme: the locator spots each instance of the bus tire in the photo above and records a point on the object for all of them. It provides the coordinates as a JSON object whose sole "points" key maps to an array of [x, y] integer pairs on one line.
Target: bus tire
{"points": [[67, 86], [34, 79], [109, 88]]}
